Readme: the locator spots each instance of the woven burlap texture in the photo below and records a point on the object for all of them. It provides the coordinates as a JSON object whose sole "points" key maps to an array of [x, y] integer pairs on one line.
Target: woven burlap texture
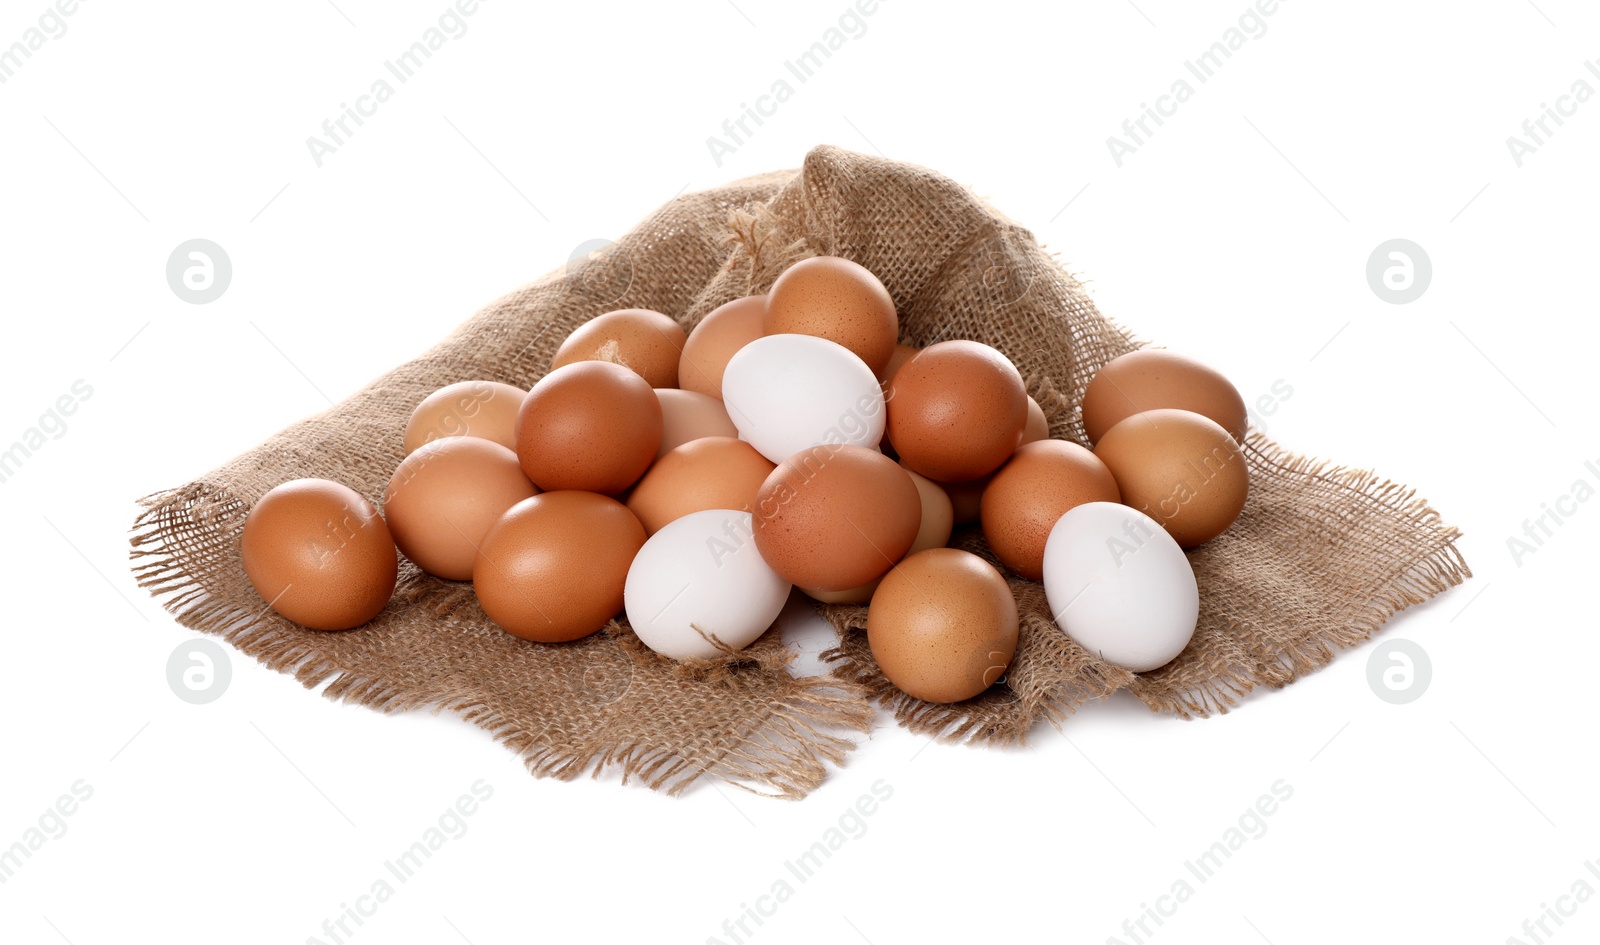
{"points": [[1320, 558]]}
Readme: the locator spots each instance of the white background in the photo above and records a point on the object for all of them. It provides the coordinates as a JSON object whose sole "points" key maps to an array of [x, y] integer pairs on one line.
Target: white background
{"points": [[1239, 233]]}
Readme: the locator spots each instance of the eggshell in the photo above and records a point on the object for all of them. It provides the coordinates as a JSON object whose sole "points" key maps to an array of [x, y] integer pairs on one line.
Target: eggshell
{"points": [[1036, 486], [1149, 379], [902, 354], [319, 554], [1181, 469], [933, 531], [834, 517], [713, 472], [1120, 586], [837, 299], [470, 408], [553, 568], [956, 411], [788, 393], [443, 498], [1037, 428], [701, 579], [591, 426], [646, 342], [723, 331], [943, 625], [687, 416]]}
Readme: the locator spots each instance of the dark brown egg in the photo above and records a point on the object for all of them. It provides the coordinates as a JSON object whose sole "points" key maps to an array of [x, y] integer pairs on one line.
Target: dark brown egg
{"points": [[553, 568], [443, 498], [320, 554], [956, 411], [647, 343], [837, 299], [1149, 379], [835, 517], [943, 625], [591, 426], [1181, 469], [723, 331], [1037, 485]]}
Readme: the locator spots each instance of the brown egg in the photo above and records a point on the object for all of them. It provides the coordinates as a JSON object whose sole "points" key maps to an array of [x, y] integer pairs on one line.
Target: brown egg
{"points": [[833, 517], [319, 554], [837, 299], [723, 331], [713, 472], [966, 499], [647, 343], [443, 498], [686, 415], [943, 625], [1039, 483], [591, 425], [1181, 469], [933, 531], [902, 354], [553, 568], [1037, 428], [956, 411], [1149, 379], [470, 408]]}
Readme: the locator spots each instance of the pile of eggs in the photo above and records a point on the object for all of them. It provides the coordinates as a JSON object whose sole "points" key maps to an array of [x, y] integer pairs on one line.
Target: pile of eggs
{"points": [[692, 480]]}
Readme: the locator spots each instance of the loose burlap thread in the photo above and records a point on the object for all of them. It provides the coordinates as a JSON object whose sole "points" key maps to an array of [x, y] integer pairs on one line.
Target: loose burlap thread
{"points": [[1321, 556]]}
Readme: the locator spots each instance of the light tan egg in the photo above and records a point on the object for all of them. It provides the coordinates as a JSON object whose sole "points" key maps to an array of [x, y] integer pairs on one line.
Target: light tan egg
{"points": [[686, 415], [443, 498], [468, 408], [712, 472], [646, 342], [1181, 469]]}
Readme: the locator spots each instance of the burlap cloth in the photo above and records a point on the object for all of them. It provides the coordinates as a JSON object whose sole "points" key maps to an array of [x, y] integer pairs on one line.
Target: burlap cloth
{"points": [[1320, 558]]}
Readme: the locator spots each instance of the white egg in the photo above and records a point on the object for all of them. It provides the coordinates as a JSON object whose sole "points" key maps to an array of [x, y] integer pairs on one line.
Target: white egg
{"points": [[1120, 586], [787, 393], [701, 576]]}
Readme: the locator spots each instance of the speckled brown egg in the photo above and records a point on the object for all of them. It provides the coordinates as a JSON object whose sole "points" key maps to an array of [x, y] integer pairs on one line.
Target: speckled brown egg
{"points": [[720, 334], [943, 625], [956, 411], [553, 568], [1149, 379], [591, 426], [646, 342], [837, 299], [469, 408], [833, 517], [443, 498], [1181, 469], [686, 415], [1039, 483], [933, 531], [319, 554], [713, 472]]}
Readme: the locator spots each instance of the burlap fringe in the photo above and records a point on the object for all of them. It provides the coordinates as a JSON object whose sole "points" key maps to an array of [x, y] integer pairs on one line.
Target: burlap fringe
{"points": [[787, 751]]}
